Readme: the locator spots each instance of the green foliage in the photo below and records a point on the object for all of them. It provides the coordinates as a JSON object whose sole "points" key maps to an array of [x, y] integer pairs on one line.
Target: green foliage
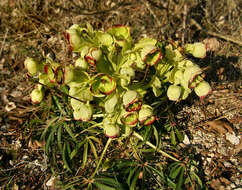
{"points": [[115, 88]]}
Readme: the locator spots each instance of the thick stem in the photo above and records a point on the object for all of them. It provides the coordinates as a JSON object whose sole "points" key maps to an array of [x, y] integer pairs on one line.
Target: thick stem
{"points": [[101, 158], [154, 147]]}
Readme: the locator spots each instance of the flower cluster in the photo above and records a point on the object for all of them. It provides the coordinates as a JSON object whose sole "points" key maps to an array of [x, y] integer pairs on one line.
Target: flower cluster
{"points": [[113, 85]]}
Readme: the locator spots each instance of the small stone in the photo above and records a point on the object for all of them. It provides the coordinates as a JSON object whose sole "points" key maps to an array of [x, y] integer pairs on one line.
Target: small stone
{"points": [[50, 182], [232, 138], [209, 159], [25, 157], [232, 185], [186, 140], [227, 164]]}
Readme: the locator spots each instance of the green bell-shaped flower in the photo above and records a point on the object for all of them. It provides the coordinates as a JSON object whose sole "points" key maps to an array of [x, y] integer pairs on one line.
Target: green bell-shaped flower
{"points": [[93, 55], [43, 79], [74, 38], [81, 63], [74, 75], [146, 116], [203, 89], [131, 101], [83, 112], [103, 84], [174, 92], [191, 73], [111, 130], [129, 118], [32, 66], [151, 55], [82, 94], [111, 103], [104, 39], [37, 95], [197, 49]]}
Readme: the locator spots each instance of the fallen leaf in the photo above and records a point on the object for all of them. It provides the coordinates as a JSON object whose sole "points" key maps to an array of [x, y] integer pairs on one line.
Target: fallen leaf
{"points": [[10, 106], [220, 126], [36, 144]]}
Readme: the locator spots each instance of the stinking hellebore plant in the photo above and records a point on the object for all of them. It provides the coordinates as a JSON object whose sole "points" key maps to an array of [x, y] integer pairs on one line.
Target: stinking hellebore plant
{"points": [[113, 84]]}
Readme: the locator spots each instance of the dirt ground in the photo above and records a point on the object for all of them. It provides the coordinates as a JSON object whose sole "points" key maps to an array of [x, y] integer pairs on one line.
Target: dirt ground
{"points": [[212, 126]]}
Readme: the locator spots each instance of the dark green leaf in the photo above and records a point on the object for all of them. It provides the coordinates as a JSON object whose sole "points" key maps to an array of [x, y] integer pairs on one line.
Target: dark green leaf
{"points": [[85, 154], [135, 178], [103, 187], [78, 146], [180, 180], [175, 171], [131, 173], [179, 135], [69, 131], [65, 157], [173, 138], [59, 138], [93, 148]]}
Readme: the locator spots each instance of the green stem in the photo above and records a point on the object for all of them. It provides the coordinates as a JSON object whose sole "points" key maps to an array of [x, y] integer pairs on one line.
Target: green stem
{"points": [[154, 147], [101, 158]]}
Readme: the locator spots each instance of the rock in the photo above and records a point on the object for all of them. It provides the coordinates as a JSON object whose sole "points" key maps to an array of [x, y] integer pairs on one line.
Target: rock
{"points": [[232, 138], [186, 140]]}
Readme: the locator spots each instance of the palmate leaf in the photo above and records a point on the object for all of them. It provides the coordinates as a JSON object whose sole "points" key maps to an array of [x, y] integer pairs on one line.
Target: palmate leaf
{"points": [[93, 149], [131, 174], [179, 135], [59, 133], [175, 171], [111, 182], [103, 187], [76, 149], [69, 131], [180, 180], [199, 181], [135, 178], [50, 137], [65, 157], [173, 137], [84, 157], [156, 171], [52, 121]]}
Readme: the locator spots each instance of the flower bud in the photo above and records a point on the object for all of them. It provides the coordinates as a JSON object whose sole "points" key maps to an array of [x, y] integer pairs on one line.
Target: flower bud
{"points": [[111, 103], [43, 79], [130, 119], [129, 97], [59, 75], [203, 89], [81, 63], [191, 73], [68, 74], [74, 38], [131, 101], [127, 71], [151, 54], [174, 92], [83, 112], [197, 49], [103, 84], [37, 96], [111, 130], [145, 113], [74, 76], [104, 39], [120, 32], [32, 66], [93, 55]]}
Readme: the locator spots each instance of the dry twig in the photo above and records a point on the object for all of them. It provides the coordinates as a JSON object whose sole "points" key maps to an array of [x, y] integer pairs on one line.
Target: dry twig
{"points": [[224, 37]]}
